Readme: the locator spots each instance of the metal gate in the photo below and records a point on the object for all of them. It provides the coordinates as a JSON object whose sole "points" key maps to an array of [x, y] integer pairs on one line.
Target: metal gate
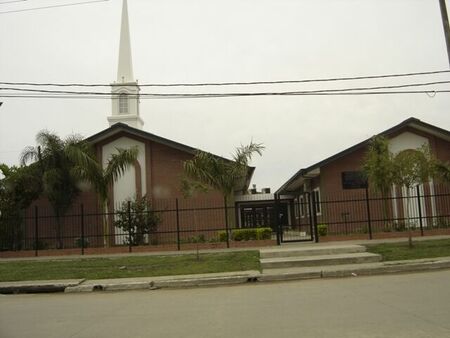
{"points": [[295, 220]]}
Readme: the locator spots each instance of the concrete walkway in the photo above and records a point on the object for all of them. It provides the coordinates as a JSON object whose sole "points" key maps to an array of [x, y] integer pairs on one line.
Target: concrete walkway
{"points": [[190, 252], [229, 278]]}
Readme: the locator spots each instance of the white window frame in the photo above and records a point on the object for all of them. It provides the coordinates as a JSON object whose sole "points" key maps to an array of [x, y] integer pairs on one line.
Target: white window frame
{"points": [[301, 206], [123, 104], [317, 200]]}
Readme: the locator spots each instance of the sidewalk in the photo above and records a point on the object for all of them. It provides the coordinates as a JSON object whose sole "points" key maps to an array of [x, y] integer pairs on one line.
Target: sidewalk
{"points": [[230, 278], [190, 252]]}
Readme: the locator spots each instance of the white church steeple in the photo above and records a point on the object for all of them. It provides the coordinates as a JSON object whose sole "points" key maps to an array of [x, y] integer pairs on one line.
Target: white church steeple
{"points": [[125, 101]]}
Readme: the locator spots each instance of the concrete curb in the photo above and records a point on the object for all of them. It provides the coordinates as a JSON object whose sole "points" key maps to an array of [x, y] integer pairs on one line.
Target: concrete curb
{"points": [[358, 269], [229, 278], [149, 283], [38, 286]]}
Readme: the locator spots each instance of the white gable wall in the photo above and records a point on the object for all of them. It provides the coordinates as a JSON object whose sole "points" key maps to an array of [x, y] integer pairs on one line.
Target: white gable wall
{"points": [[406, 140], [125, 186]]}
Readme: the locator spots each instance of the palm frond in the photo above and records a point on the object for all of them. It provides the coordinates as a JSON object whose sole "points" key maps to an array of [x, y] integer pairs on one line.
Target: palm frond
{"points": [[29, 154], [244, 154], [6, 171], [119, 163], [220, 174]]}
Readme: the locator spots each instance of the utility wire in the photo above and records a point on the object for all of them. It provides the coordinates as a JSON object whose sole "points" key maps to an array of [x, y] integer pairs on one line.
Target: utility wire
{"points": [[53, 6], [430, 93], [368, 77], [51, 91], [10, 2]]}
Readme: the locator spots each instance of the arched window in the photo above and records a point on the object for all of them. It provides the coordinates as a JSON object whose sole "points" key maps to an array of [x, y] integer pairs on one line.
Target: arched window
{"points": [[123, 104]]}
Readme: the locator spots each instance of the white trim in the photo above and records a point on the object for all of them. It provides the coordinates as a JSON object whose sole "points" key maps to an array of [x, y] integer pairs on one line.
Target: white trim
{"points": [[123, 104], [394, 202], [301, 206], [414, 211], [317, 200], [432, 199]]}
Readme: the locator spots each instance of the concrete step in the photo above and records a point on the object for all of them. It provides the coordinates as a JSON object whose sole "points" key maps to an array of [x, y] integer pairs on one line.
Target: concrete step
{"points": [[321, 260], [310, 251]]}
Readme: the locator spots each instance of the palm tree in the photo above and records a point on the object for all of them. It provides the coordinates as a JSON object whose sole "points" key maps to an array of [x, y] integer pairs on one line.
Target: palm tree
{"points": [[219, 174], [66, 163], [210, 171]]}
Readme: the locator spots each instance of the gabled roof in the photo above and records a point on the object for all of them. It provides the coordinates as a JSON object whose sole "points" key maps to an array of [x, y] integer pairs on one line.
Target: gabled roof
{"points": [[122, 127], [411, 122]]}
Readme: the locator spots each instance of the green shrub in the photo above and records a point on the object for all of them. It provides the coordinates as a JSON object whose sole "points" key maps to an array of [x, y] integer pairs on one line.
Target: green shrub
{"points": [[248, 234], [243, 234], [263, 233], [322, 229], [222, 236], [139, 221]]}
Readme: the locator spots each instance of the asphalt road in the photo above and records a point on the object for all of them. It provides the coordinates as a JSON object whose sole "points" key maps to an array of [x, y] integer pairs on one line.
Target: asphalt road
{"points": [[410, 305]]}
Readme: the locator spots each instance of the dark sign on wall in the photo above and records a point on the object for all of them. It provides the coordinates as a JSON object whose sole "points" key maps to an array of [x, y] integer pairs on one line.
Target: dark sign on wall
{"points": [[353, 180]]}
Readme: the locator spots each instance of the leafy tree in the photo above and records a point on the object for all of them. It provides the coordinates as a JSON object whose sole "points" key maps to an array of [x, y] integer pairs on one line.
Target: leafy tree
{"points": [[19, 187], [64, 164], [411, 168], [442, 171], [378, 167], [139, 220]]}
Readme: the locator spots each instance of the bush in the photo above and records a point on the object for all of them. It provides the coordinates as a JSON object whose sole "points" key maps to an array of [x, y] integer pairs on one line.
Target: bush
{"points": [[248, 234], [222, 236], [263, 233], [322, 229], [141, 221]]}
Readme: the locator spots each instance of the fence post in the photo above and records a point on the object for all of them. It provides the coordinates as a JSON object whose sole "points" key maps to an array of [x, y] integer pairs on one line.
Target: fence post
{"points": [[277, 219], [314, 216], [82, 228], [129, 226], [420, 210], [178, 224], [227, 230], [36, 234], [369, 222]]}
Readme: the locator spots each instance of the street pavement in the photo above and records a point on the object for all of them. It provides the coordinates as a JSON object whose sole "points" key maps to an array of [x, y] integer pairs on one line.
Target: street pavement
{"points": [[405, 305]]}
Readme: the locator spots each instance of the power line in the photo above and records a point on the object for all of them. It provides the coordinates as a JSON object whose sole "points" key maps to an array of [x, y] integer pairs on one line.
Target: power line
{"points": [[10, 2], [430, 93], [53, 6], [51, 91], [367, 77]]}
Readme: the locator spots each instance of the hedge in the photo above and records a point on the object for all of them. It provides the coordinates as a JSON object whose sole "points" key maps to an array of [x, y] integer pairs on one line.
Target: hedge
{"points": [[246, 234]]}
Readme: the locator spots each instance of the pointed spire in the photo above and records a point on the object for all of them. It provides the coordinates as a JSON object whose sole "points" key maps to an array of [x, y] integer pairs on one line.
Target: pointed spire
{"points": [[125, 69]]}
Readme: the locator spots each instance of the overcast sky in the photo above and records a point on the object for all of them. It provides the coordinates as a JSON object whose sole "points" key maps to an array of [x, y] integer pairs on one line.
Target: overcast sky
{"points": [[227, 40]]}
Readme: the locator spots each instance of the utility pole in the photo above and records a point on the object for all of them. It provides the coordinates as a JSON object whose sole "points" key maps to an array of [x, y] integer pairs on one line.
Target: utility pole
{"points": [[446, 26]]}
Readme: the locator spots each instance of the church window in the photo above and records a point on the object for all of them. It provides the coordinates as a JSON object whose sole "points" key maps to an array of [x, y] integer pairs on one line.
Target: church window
{"points": [[123, 104]]}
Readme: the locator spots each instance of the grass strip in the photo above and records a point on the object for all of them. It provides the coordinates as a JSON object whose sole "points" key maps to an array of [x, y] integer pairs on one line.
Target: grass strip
{"points": [[129, 266], [420, 249]]}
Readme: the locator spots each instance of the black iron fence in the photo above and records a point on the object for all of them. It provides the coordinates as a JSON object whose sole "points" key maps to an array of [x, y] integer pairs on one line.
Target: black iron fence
{"points": [[166, 225], [424, 210], [176, 224]]}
